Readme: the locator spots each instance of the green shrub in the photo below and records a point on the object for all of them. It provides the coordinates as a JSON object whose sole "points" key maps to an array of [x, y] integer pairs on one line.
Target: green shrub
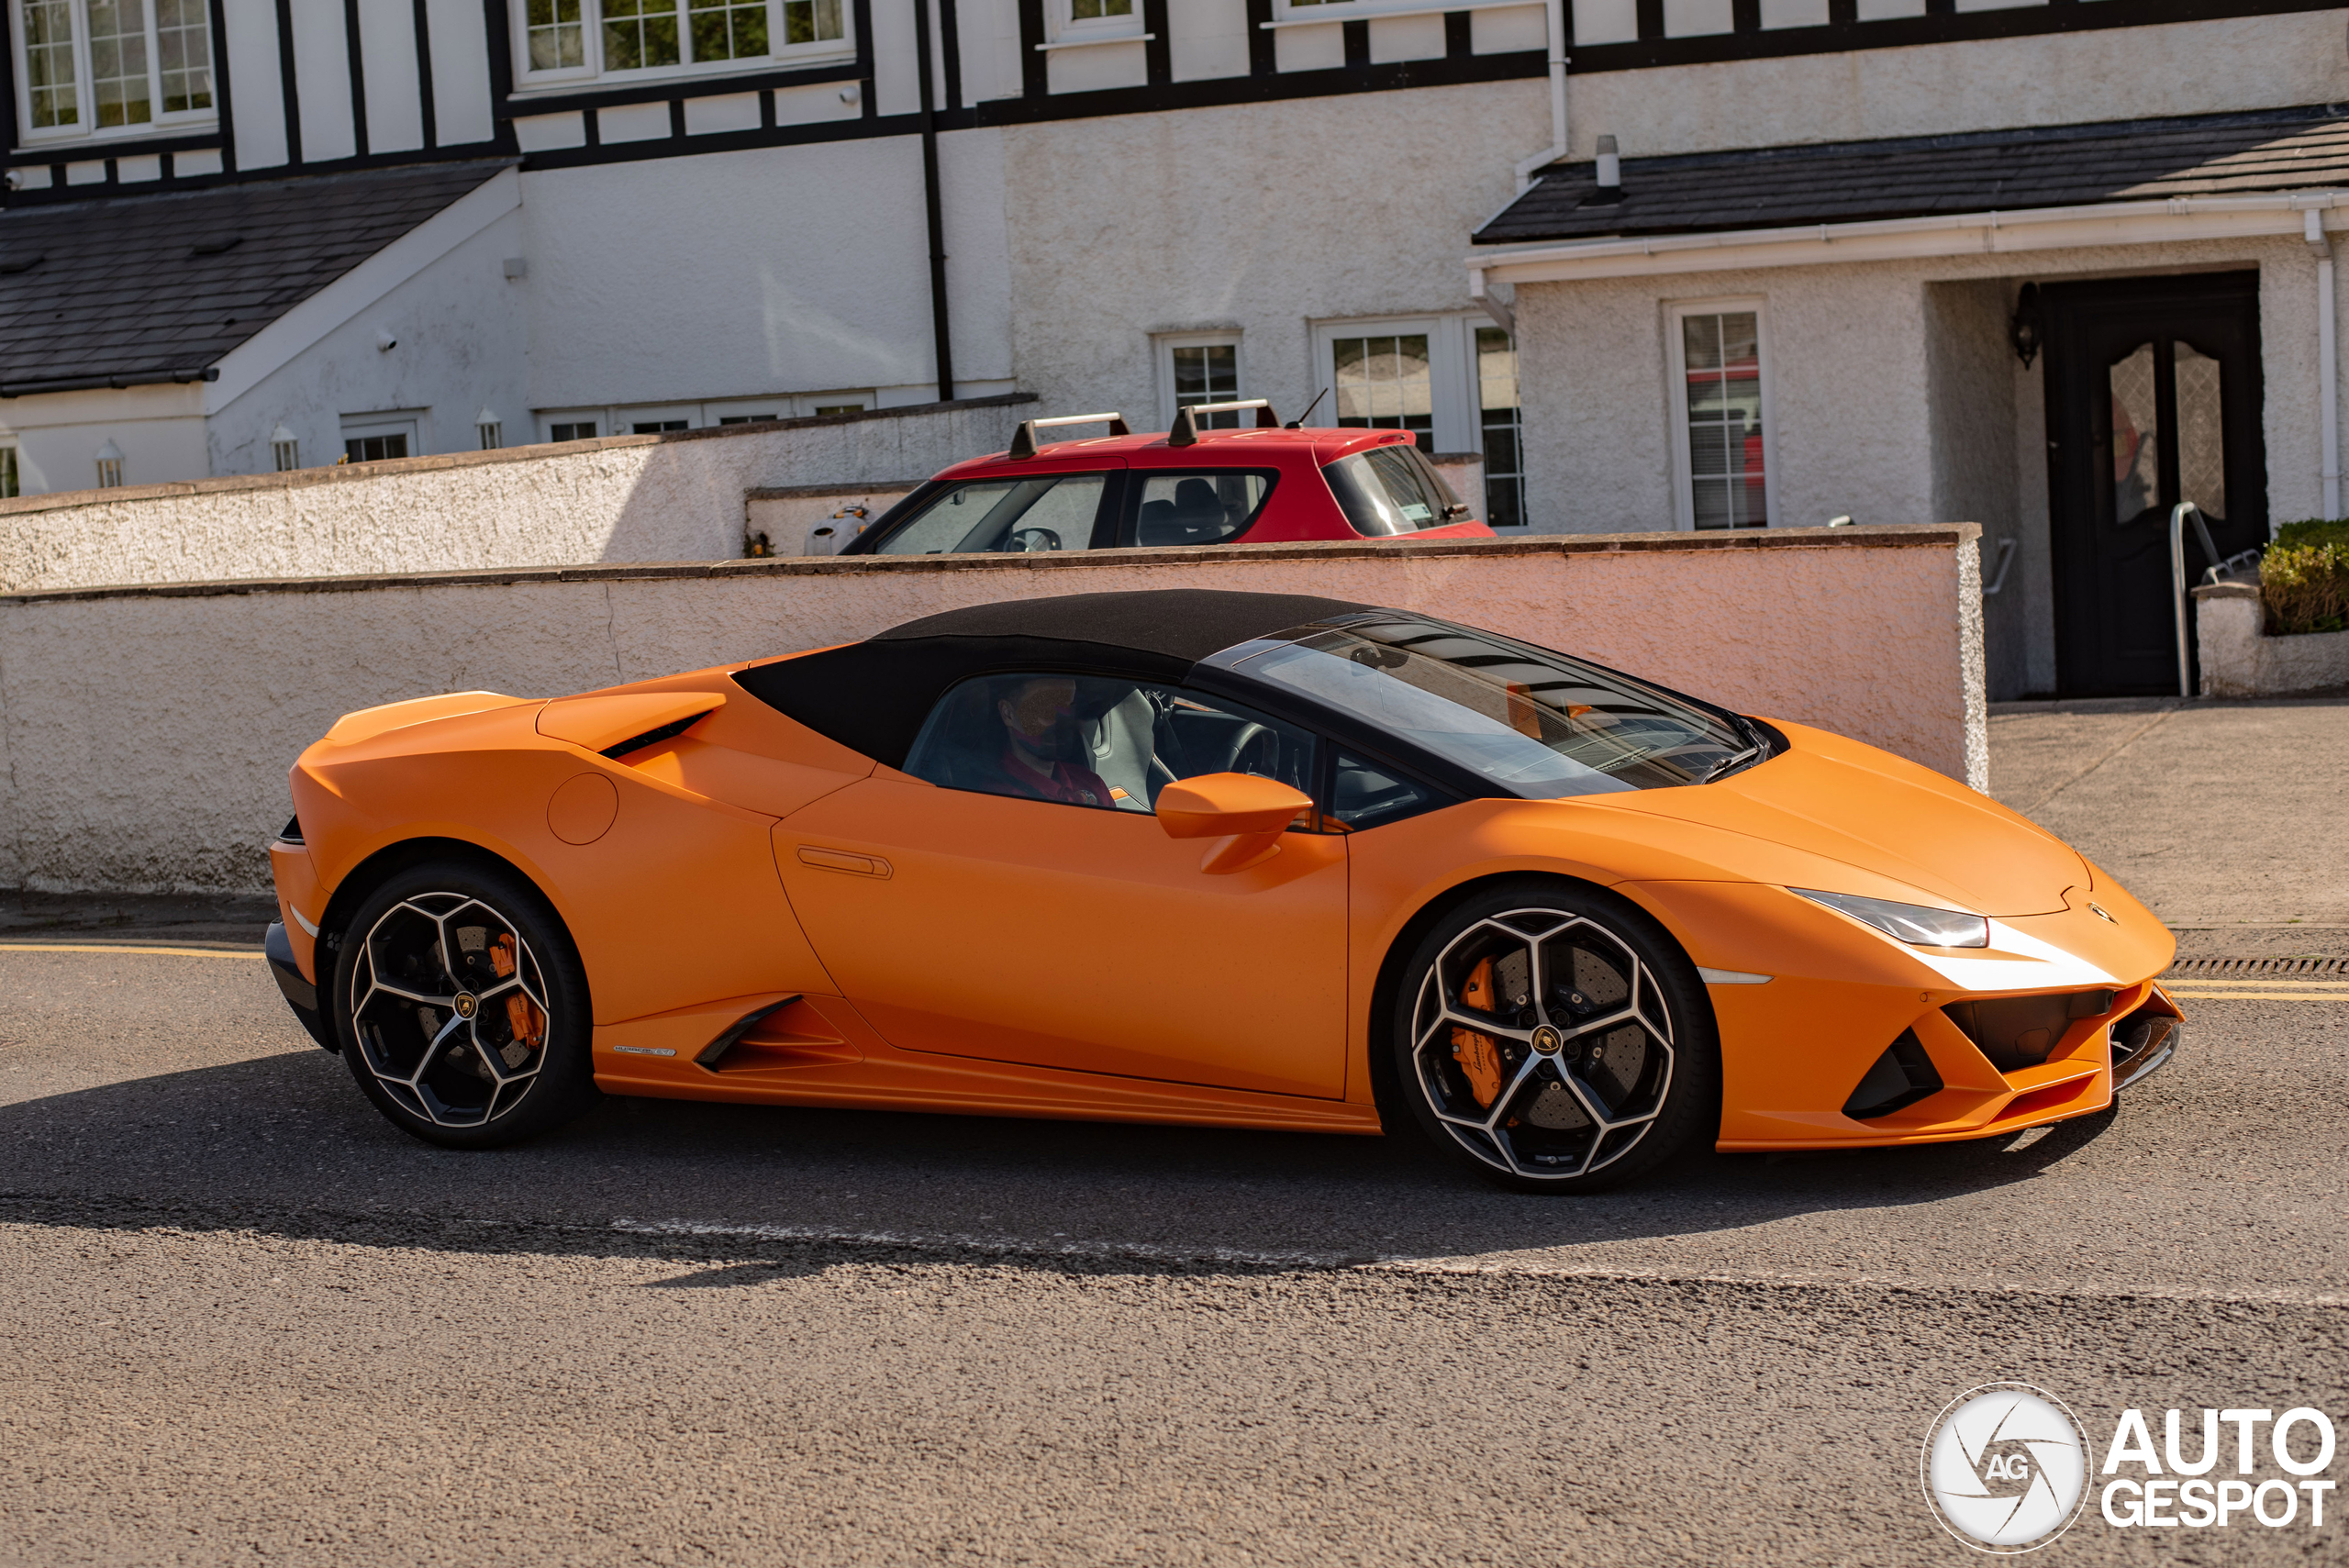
{"points": [[2304, 577]]}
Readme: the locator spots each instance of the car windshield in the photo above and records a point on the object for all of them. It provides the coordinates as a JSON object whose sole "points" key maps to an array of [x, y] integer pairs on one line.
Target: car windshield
{"points": [[1027, 515], [1538, 724], [1390, 490]]}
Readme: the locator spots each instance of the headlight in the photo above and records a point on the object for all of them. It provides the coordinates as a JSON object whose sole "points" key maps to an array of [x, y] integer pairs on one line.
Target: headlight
{"points": [[1919, 923]]}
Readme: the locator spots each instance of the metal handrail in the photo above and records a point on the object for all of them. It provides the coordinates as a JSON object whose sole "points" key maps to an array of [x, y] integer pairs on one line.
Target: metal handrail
{"points": [[2177, 515]]}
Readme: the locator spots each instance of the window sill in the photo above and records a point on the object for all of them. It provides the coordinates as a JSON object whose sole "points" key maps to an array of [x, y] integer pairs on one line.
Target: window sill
{"points": [[715, 71], [1087, 43], [1376, 14], [154, 130]]}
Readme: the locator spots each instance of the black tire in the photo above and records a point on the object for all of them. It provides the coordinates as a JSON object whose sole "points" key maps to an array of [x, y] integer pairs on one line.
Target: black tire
{"points": [[1593, 1057], [447, 1053]]}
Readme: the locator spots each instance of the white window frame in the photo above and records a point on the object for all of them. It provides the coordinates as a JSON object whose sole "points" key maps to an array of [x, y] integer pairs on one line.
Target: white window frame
{"points": [[624, 420], [409, 422], [590, 14], [1676, 361], [84, 94], [1161, 348], [1069, 28], [1293, 13], [1452, 371]]}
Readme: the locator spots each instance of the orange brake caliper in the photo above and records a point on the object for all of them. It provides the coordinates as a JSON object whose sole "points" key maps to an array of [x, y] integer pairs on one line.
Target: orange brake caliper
{"points": [[1478, 1055], [520, 1015]]}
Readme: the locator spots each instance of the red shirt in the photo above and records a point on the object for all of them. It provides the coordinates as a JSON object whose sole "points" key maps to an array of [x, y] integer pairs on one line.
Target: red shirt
{"points": [[1066, 782]]}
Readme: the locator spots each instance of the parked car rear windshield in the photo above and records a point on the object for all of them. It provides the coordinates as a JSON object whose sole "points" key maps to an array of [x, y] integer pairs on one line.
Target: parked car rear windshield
{"points": [[1538, 724], [1390, 490]]}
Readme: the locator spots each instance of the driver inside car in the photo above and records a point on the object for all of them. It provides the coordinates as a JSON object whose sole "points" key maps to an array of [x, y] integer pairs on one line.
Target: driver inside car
{"points": [[1044, 747]]}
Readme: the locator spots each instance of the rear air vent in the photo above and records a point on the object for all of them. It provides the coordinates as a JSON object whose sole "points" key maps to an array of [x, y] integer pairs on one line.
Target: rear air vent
{"points": [[291, 833], [2018, 1031], [1901, 1077], [652, 737]]}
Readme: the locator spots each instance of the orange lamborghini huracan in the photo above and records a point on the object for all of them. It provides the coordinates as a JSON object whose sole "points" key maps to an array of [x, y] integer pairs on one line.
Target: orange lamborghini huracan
{"points": [[1245, 859]]}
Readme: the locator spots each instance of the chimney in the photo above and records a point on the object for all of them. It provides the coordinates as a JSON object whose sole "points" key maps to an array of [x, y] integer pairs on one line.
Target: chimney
{"points": [[1610, 174]]}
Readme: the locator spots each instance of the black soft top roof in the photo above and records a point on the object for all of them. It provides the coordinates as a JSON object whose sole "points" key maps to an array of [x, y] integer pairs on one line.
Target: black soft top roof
{"points": [[873, 696]]}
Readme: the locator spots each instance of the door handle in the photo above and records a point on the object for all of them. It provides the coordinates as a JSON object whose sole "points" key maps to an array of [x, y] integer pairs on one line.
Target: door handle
{"points": [[844, 861]]}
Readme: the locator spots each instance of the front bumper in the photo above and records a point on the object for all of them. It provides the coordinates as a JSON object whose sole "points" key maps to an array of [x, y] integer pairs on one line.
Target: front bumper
{"points": [[1840, 1000], [300, 995]]}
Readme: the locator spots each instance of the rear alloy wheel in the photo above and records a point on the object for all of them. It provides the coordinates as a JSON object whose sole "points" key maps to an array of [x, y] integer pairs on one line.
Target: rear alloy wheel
{"points": [[1555, 1039], [462, 1009]]}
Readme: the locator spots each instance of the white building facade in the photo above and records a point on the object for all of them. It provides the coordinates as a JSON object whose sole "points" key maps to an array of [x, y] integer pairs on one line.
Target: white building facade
{"points": [[248, 234]]}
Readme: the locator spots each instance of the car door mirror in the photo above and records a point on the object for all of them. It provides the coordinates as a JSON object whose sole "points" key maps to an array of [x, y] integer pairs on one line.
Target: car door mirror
{"points": [[1246, 813]]}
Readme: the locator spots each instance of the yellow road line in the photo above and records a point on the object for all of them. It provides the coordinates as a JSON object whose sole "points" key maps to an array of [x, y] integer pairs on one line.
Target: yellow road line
{"points": [[126, 947], [2261, 996]]}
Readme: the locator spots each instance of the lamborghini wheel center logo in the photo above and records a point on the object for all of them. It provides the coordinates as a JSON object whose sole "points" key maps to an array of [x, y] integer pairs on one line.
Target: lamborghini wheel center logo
{"points": [[2005, 1467], [465, 1004], [1547, 1040]]}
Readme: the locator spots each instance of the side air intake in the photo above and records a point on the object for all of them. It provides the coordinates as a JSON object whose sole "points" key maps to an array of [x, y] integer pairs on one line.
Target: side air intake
{"points": [[1901, 1077]]}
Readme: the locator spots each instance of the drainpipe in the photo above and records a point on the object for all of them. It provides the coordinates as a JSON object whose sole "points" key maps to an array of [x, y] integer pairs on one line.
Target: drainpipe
{"points": [[931, 204], [1557, 147], [2327, 358]]}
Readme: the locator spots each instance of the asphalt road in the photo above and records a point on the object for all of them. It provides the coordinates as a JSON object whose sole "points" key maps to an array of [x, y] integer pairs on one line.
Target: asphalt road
{"points": [[242, 1321]]}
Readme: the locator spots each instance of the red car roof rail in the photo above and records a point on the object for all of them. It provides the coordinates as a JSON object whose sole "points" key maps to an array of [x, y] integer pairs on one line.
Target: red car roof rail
{"points": [[1187, 426], [1023, 439]]}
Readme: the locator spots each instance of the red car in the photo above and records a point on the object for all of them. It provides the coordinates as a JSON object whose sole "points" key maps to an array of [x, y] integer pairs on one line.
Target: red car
{"points": [[1264, 485]]}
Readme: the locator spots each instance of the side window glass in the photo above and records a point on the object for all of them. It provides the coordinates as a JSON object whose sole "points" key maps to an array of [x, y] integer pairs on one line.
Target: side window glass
{"points": [[1009, 516], [1390, 490], [1096, 740], [1199, 509], [1363, 794]]}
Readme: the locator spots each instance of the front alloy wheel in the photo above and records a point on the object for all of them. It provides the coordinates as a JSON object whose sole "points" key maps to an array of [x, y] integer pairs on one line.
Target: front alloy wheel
{"points": [[461, 1007], [1555, 1039]]}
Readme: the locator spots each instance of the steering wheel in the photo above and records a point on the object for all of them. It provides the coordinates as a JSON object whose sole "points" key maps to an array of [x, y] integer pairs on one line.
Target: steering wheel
{"points": [[1244, 737], [1030, 541]]}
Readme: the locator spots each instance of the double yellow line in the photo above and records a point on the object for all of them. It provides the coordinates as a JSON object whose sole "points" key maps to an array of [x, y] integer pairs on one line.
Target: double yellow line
{"points": [[130, 947], [2262, 988]]}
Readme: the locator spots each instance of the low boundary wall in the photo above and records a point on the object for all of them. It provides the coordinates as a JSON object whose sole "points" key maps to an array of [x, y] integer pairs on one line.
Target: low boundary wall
{"points": [[147, 730], [674, 497]]}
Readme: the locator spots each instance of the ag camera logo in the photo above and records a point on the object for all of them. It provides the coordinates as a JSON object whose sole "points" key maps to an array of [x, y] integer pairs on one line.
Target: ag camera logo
{"points": [[2005, 1467]]}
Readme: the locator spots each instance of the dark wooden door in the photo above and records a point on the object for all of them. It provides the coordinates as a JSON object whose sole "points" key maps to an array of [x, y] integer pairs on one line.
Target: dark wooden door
{"points": [[2153, 399]]}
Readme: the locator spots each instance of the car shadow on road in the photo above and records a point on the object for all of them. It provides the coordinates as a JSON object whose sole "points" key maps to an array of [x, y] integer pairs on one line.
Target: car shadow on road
{"points": [[285, 1143]]}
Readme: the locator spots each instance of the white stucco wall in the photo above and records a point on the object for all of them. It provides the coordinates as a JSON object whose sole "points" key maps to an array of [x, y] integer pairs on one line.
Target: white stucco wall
{"points": [[2076, 78], [115, 778], [739, 273], [620, 498], [1260, 219], [1894, 396], [157, 429], [459, 330]]}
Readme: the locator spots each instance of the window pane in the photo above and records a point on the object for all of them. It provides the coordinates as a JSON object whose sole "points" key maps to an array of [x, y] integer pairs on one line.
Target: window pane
{"points": [[578, 430], [1723, 362], [374, 449], [8, 472], [1199, 508], [1499, 422], [1208, 373], [558, 37], [1384, 383], [184, 46], [1009, 517], [1099, 10], [1363, 796], [48, 62], [1097, 741], [654, 427], [811, 21], [2136, 436], [118, 62], [639, 34], [729, 29], [2202, 435]]}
